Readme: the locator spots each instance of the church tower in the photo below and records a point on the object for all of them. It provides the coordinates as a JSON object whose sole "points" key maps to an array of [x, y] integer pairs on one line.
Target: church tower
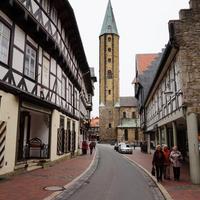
{"points": [[108, 77]]}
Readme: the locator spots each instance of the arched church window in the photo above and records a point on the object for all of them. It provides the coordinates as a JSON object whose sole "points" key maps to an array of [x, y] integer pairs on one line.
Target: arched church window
{"points": [[109, 74], [109, 60], [109, 49]]}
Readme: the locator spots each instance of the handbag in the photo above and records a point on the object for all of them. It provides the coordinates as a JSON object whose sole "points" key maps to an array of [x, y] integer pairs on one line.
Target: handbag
{"points": [[153, 171]]}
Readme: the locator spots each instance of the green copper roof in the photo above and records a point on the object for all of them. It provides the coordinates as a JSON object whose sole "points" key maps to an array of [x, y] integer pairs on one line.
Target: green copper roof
{"points": [[109, 25]]}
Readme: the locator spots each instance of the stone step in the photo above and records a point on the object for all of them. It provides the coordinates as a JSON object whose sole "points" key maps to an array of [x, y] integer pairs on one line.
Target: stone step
{"points": [[31, 168]]}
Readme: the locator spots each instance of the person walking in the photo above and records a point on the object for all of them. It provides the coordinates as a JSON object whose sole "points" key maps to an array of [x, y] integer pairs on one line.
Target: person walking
{"points": [[166, 152], [176, 159], [91, 145], [84, 147], [158, 162]]}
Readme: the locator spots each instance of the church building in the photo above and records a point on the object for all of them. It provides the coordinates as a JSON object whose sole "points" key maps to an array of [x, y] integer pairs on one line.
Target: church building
{"points": [[110, 120]]}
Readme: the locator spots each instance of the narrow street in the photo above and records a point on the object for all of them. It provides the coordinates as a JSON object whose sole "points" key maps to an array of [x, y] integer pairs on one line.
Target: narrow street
{"points": [[115, 179]]}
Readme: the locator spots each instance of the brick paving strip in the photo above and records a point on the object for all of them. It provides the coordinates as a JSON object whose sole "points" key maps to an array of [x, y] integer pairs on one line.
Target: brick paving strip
{"points": [[172, 190], [30, 185], [75, 184]]}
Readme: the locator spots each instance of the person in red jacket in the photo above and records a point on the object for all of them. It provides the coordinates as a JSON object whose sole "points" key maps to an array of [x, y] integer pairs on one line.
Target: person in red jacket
{"points": [[158, 162], [167, 162], [84, 147]]}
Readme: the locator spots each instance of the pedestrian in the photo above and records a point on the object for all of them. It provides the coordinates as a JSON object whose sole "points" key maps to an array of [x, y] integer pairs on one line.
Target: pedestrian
{"points": [[176, 158], [94, 144], [84, 147], [166, 152], [134, 145], [158, 162], [91, 145]]}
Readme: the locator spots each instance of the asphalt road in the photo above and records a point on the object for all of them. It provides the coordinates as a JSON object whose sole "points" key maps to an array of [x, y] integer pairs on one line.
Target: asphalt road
{"points": [[116, 179]]}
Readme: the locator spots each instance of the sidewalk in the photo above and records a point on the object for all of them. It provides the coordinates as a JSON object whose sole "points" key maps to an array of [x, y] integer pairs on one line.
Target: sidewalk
{"points": [[30, 185], [181, 190]]}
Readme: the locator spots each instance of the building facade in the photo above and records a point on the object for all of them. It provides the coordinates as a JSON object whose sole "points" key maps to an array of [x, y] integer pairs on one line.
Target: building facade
{"points": [[93, 131], [128, 129], [170, 110], [45, 82]]}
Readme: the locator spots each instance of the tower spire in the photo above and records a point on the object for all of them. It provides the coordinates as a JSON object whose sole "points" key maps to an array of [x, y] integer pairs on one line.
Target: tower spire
{"points": [[109, 24]]}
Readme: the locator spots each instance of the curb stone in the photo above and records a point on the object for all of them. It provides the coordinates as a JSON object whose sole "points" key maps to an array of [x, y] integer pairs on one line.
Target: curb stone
{"points": [[76, 183], [161, 188]]}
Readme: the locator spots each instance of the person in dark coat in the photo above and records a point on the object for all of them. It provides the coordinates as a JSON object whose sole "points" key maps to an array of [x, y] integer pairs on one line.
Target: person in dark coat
{"points": [[158, 162], [91, 145]]}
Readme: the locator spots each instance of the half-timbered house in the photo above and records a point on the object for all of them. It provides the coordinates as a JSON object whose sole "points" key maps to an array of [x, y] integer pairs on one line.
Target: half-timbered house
{"points": [[45, 82], [170, 98]]}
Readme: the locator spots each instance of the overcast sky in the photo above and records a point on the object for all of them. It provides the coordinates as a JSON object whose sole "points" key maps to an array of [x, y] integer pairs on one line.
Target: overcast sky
{"points": [[142, 26]]}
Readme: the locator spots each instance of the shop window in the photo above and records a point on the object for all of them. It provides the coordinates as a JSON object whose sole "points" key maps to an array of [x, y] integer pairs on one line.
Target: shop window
{"points": [[4, 43], [30, 62]]}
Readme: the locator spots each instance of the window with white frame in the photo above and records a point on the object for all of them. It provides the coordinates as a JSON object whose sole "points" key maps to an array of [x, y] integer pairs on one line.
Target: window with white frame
{"points": [[4, 43], [30, 62]]}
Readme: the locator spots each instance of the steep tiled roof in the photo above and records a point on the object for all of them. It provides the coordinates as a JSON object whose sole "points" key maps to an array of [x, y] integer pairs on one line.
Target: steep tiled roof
{"points": [[128, 102], [143, 61], [146, 78]]}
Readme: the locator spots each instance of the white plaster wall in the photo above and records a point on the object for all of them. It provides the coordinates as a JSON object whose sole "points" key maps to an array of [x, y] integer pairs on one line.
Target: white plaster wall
{"points": [[54, 126], [9, 114], [18, 58]]}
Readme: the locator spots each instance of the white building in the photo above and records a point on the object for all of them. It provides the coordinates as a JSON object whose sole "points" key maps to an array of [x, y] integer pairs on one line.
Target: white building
{"points": [[45, 82]]}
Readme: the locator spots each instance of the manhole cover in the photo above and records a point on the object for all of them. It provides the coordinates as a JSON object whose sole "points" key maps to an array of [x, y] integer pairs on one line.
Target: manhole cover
{"points": [[54, 188]]}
